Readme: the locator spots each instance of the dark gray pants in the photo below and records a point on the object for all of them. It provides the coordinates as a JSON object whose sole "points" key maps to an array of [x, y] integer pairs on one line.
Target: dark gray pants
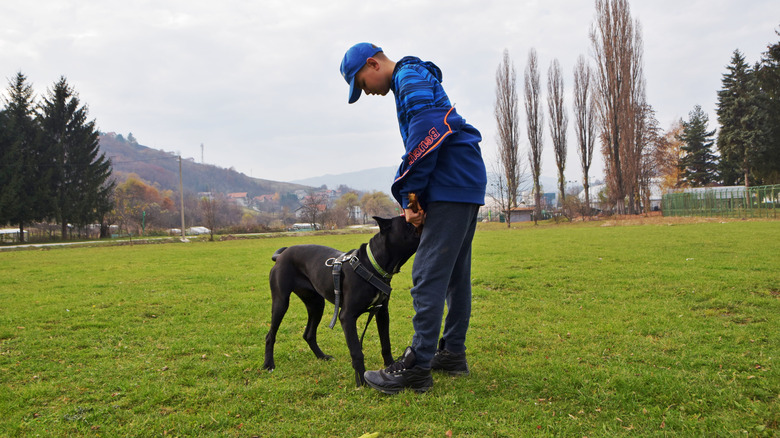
{"points": [[442, 274]]}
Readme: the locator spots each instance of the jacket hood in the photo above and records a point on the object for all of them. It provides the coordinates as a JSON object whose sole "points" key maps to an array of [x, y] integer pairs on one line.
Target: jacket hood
{"points": [[431, 67]]}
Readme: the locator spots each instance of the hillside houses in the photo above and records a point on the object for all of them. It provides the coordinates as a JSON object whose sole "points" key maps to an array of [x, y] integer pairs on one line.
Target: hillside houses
{"points": [[239, 198], [275, 201]]}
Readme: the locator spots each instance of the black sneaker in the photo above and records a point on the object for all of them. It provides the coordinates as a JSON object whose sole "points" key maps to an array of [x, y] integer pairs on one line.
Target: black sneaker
{"points": [[401, 375], [449, 362]]}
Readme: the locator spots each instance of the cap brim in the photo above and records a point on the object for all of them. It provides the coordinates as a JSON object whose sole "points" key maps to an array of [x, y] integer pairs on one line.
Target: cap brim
{"points": [[354, 92]]}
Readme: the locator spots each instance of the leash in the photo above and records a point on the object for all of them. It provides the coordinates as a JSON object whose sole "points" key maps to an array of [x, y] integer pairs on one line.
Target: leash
{"points": [[371, 312], [353, 260]]}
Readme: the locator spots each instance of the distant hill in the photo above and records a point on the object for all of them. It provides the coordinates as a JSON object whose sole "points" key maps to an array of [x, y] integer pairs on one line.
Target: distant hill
{"points": [[381, 178], [161, 169], [377, 179]]}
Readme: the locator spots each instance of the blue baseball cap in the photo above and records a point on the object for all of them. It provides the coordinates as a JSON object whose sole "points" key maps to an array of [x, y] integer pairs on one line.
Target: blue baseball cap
{"points": [[353, 61]]}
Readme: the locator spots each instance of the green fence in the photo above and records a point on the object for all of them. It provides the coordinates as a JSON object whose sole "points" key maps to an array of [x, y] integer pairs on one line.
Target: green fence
{"points": [[740, 202]]}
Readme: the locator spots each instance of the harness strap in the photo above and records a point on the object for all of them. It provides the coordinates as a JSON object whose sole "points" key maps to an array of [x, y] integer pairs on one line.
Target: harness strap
{"points": [[337, 291], [367, 275], [337, 285]]}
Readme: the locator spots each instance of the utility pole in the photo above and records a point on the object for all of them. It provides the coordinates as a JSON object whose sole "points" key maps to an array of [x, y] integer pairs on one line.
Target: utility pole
{"points": [[201, 153], [181, 199]]}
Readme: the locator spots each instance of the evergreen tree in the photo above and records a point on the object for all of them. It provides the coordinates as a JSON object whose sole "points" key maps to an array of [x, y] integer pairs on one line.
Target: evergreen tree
{"points": [[769, 80], [21, 197], [5, 166], [80, 184], [742, 114], [697, 165]]}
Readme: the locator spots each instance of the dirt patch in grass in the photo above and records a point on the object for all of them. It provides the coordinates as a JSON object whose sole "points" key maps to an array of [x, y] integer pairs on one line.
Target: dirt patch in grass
{"points": [[657, 218], [652, 218]]}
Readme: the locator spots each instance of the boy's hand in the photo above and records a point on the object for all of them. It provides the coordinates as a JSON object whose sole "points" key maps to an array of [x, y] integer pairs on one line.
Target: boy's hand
{"points": [[416, 218], [413, 213]]}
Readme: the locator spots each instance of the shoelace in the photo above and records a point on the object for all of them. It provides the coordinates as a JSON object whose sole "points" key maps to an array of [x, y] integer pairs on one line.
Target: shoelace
{"points": [[396, 366]]}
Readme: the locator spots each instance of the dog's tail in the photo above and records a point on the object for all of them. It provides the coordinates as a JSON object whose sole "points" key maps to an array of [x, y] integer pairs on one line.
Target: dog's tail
{"points": [[278, 251]]}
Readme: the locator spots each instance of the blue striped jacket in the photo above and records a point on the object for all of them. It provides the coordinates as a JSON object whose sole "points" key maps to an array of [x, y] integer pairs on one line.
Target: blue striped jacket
{"points": [[443, 160], [417, 86]]}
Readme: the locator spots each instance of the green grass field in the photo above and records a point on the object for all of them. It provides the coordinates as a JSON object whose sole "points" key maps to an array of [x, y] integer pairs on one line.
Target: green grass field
{"points": [[577, 330]]}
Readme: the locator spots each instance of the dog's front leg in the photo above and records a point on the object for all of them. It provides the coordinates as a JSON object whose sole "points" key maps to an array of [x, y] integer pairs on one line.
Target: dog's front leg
{"points": [[349, 325], [383, 327]]}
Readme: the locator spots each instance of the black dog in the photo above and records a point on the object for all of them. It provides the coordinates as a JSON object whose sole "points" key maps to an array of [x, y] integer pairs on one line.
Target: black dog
{"points": [[308, 270]]}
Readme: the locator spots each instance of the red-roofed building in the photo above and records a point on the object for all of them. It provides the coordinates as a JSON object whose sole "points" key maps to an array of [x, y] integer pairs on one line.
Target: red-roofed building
{"points": [[239, 198]]}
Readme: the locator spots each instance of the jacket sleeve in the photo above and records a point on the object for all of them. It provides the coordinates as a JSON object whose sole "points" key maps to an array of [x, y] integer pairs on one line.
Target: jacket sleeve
{"points": [[419, 171], [416, 96], [427, 134]]}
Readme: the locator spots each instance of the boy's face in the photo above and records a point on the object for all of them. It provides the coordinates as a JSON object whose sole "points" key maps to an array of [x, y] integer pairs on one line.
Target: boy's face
{"points": [[372, 78]]}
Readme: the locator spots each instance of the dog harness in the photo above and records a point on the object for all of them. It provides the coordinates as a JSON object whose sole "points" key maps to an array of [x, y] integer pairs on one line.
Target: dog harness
{"points": [[384, 287]]}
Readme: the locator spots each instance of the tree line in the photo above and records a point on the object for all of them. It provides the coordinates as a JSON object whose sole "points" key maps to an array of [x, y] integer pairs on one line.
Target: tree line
{"points": [[351, 208], [50, 165], [610, 105], [54, 176]]}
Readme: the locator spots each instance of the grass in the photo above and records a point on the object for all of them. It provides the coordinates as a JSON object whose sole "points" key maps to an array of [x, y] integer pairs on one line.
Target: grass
{"points": [[577, 330]]}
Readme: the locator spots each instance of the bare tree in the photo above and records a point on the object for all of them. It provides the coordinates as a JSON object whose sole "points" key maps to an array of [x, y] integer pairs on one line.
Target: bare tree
{"points": [[648, 136], [208, 206], [584, 123], [559, 122], [618, 51], [217, 210], [499, 186], [499, 191], [535, 121], [641, 114], [313, 207], [507, 114]]}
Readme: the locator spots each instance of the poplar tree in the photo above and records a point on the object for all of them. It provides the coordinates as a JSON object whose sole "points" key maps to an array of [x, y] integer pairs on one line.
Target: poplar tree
{"points": [[584, 122], [507, 114], [559, 121], [535, 120], [697, 165], [619, 85]]}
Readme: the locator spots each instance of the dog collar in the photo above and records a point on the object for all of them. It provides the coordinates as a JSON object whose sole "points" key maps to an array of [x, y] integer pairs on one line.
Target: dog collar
{"points": [[376, 266]]}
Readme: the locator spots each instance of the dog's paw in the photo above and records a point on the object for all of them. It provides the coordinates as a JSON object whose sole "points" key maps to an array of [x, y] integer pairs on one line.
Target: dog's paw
{"points": [[326, 357], [269, 367]]}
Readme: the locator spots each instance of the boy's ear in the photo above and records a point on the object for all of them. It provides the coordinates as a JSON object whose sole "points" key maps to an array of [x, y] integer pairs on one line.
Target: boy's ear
{"points": [[372, 62]]}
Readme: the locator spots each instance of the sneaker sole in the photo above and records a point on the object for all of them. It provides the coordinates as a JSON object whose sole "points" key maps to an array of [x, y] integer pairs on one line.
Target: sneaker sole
{"points": [[393, 391], [454, 373]]}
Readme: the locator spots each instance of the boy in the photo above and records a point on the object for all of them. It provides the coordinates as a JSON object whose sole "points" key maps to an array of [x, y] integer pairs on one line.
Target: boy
{"points": [[443, 169]]}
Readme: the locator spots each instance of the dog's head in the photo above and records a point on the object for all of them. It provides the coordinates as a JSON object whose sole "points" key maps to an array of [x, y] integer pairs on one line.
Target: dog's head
{"points": [[397, 238]]}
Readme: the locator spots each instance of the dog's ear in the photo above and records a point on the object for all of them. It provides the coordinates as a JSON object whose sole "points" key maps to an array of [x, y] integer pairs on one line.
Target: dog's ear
{"points": [[384, 224]]}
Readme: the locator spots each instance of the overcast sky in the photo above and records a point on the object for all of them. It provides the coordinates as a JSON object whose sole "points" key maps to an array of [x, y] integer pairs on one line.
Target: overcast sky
{"points": [[257, 82]]}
